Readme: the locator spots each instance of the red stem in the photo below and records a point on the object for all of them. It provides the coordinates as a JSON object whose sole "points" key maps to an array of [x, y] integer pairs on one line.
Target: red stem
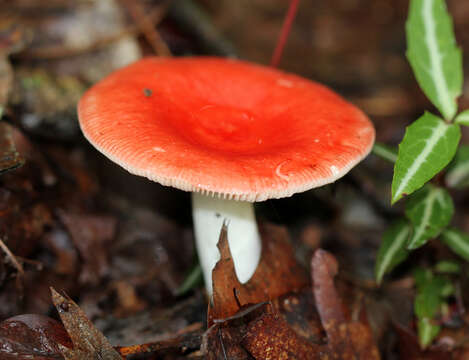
{"points": [[282, 40]]}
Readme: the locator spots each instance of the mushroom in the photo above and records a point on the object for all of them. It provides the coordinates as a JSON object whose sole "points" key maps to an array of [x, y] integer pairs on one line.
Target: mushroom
{"points": [[229, 131]]}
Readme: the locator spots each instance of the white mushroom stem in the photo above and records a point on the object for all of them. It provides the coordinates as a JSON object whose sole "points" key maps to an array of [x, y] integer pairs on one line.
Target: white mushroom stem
{"points": [[208, 214]]}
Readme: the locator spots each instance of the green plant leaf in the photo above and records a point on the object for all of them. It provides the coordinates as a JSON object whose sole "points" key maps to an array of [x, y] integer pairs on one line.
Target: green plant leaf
{"points": [[422, 276], [447, 290], [434, 55], [427, 331], [457, 175], [448, 267], [463, 118], [393, 249], [385, 152], [457, 241], [431, 294], [428, 146], [194, 278], [430, 210]]}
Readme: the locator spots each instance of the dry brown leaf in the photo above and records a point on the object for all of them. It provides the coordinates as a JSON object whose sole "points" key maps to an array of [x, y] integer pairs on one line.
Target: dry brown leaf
{"points": [[270, 337], [91, 235], [10, 159], [13, 36], [223, 339], [186, 341], [6, 80], [346, 339], [261, 331], [278, 273], [30, 336], [324, 268], [447, 347], [88, 342]]}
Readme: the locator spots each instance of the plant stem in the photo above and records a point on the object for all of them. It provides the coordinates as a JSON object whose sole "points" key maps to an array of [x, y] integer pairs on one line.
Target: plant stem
{"points": [[286, 27], [209, 214]]}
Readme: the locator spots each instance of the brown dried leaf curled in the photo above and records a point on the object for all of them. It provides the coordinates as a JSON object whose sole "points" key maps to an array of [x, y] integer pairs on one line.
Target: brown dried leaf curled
{"points": [[32, 336], [346, 339], [88, 342], [324, 268], [223, 340], [278, 273]]}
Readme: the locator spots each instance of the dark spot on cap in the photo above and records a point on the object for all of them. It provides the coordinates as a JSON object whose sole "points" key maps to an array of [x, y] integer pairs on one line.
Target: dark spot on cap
{"points": [[147, 92], [217, 215]]}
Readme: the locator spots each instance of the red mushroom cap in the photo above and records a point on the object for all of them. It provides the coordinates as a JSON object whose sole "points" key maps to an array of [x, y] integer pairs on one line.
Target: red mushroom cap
{"points": [[224, 127]]}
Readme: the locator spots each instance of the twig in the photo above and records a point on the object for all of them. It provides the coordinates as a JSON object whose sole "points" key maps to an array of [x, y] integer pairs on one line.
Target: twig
{"points": [[220, 334], [12, 258], [282, 40], [39, 265], [178, 342], [56, 52], [148, 29]]}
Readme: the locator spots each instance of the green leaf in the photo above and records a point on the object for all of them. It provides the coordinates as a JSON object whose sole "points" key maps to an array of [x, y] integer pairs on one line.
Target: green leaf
{"points": [[463, 118], [457, 241], [385, 152], [193, 279], [447, 290], [393, 249], [457, 175], [422, 276], [428, 146], [427, 331], [431, 293], [430, 210], [434, 55], [428, 301], [448, 267]]}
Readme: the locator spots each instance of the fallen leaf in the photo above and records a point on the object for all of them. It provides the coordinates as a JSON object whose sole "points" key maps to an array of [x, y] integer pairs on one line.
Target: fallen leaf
{"points": [[223, 339], [187, 341], [278, 273], [127, 298], [60, 244], [270, 337], [13, 36], [22, 224], [88, 342], [10, 159], [409, 347], [259, 332], [32, 336], [299, 311], [12, 39], [324, 268], [6, 80], [241, 325], [91, 235], [346, 339]]}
